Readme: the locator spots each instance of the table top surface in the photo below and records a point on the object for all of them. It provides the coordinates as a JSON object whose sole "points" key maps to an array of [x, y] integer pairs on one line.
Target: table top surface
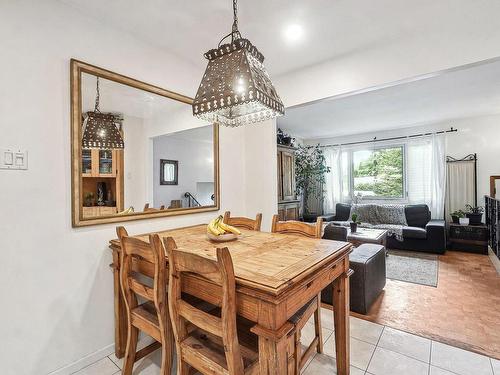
{"points": [[368, 233], [267, 261]]}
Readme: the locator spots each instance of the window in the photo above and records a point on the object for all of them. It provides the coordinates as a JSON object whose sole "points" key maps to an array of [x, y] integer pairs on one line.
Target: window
{"points": [[378, 172]]}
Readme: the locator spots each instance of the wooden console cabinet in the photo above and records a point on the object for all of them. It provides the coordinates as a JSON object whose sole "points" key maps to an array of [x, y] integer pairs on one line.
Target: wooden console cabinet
{"points": [[288, 204]]}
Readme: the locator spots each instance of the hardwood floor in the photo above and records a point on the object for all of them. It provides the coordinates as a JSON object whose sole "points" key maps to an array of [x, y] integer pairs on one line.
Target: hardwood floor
{"points": [[463, 311]]}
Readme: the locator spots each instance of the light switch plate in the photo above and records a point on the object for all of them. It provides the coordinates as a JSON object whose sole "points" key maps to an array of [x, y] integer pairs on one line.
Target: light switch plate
{"points": [[12, 158]]}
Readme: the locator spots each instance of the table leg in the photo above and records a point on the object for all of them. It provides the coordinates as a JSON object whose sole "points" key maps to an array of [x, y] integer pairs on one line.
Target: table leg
{"points": [[273, 356], [341, 321], [120, 314]]}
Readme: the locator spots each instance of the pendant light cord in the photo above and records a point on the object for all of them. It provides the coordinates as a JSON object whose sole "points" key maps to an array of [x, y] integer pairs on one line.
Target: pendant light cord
{"points": [[235, 33]]}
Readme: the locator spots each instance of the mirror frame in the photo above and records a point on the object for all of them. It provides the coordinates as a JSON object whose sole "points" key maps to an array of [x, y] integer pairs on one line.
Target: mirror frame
{"points": [[76, 69]]}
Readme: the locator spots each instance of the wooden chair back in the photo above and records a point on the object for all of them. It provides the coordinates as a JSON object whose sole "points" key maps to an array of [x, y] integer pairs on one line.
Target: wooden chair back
{"points": [[152, 209], [143, 275], [135, 253], [297, 227], [243, 222], [220, 272]]}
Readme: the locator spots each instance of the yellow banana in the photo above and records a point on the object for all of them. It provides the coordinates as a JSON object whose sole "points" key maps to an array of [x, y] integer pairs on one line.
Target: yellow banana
{"points": [[228, 228], [213, 228]]}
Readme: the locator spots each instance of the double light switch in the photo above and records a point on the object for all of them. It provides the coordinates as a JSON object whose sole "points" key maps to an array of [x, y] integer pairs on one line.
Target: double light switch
{"points": [[13, 159]]}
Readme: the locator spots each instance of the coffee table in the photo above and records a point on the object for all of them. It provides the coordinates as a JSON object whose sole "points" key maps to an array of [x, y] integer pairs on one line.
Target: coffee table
{"points": [[367, 235]]}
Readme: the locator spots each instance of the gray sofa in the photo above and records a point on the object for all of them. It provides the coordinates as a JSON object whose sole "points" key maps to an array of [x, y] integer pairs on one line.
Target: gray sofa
{"points": [[421, 234]]}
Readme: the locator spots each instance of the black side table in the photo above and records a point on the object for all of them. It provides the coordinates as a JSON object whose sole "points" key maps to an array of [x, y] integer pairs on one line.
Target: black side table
{"points": [[469, 238]]}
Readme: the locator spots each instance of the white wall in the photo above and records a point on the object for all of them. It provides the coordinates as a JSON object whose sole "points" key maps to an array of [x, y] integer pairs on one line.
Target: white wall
{"points": [[134, 162], [475, 135], [55, 279], [195, 164]]}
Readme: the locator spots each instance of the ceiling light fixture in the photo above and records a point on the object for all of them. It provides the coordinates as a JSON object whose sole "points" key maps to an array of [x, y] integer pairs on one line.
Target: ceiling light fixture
{"points": [[294, 33], [99, 129], [236, 89]]}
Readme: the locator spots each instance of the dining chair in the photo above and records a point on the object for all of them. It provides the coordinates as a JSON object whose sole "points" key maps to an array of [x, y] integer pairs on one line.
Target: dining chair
{"points": [[152, 209], [313, 307], [243, 222], [214, 345], [144, 277], [297, 227]]}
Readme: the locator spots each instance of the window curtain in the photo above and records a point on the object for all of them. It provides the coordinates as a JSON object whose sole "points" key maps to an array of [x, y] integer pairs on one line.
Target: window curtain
{"points": [[333, 180], [438, 176], [425, 174]]}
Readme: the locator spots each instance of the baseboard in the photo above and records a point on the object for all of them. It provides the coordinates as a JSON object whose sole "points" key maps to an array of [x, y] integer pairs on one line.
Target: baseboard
{"points": [[85, 361], [494, 260]]}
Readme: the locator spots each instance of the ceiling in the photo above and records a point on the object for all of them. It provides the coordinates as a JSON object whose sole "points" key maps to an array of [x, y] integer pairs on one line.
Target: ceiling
{"points": [[467, 92], [332, 28]]}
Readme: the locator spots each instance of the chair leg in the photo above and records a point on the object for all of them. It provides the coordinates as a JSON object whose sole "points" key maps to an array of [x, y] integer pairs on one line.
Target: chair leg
{"points": [[317, 325], [167, 348], [132, 337], [297, 353], [182, 367]]}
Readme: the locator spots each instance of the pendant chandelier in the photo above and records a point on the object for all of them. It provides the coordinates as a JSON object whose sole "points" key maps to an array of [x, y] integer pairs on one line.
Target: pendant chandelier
{"points": [[99, 129], [236, 89]]}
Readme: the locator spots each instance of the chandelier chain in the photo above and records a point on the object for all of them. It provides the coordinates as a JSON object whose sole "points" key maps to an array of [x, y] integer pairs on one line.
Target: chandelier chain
{"points": [[97, 94]]}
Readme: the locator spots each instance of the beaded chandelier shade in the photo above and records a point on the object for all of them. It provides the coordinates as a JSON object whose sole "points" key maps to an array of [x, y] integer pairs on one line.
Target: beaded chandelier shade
{"points": [[236, 88], [99, 129]]}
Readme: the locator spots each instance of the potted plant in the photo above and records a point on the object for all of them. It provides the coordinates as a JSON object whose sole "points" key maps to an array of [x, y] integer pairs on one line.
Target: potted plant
{"points": [[354, 223], [88, 200], [456, 215], [310, 170], [475, 214], [283, 138]]}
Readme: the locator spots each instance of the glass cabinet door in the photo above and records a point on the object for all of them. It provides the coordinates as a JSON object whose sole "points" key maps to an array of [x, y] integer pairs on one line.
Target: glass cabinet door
{"points": [[106, 162], [86, 162]]}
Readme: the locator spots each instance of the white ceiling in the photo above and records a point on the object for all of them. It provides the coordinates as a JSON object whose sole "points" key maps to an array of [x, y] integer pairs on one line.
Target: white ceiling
{"points": [[332, 28], [472, 91]]}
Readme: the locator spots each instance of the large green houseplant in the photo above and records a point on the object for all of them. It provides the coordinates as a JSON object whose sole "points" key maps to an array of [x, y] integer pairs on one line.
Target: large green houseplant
{"points": [[310, 170]]}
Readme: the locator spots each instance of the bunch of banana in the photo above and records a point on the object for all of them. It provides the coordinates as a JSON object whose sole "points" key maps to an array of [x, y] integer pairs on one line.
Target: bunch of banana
{"points": [[217, 227], [128, 211]]}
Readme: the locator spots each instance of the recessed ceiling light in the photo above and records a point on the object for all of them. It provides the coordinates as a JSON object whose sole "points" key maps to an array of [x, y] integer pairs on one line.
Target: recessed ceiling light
{"points": [[294, 33]]}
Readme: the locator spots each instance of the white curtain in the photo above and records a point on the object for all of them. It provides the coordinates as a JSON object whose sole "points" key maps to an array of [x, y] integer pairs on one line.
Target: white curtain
{"points": [[438, 176], [460, 188], [426, 173], [333, 180]]}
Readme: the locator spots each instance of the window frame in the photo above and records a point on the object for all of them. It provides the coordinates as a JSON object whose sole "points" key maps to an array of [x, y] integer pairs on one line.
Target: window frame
{"points": [[351, 151]]}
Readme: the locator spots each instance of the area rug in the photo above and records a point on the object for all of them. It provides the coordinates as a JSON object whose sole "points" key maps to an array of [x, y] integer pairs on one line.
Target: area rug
{"points": [[412, 267]]}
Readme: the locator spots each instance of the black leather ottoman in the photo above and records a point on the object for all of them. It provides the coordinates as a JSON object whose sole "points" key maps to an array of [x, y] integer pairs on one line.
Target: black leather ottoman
{"points": [[368, 263]]}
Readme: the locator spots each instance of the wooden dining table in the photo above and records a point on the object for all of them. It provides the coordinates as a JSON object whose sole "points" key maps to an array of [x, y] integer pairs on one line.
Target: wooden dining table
{"points": [[276, 275]]}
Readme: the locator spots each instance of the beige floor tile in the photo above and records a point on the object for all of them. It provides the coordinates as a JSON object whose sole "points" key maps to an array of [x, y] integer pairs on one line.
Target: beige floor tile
{"points": [[103, 367], [326, 365], [361, 352], [365, 330], [405, 343], [439, 371], [387, 362], [459, 361], [307, 334]]}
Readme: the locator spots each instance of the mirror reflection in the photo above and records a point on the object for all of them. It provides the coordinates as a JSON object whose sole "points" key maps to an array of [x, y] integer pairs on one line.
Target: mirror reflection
{"points": [[141, 152]]}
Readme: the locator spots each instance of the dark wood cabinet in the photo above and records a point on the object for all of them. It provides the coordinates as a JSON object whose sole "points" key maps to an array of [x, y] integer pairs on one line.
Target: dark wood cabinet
{"points": [[470, 238], [288, 204]]}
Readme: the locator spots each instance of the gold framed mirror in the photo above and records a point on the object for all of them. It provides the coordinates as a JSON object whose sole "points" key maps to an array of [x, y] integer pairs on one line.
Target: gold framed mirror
{"points": [[121, 130]]}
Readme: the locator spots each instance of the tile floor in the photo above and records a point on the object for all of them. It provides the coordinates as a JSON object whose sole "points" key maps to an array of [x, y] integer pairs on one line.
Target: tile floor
{"points": [[375, 350]]}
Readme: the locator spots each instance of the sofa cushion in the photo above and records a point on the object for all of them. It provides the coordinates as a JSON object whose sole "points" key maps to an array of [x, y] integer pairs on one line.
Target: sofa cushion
{"points": [[415, 233], [342, 212], [417, 215]]}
